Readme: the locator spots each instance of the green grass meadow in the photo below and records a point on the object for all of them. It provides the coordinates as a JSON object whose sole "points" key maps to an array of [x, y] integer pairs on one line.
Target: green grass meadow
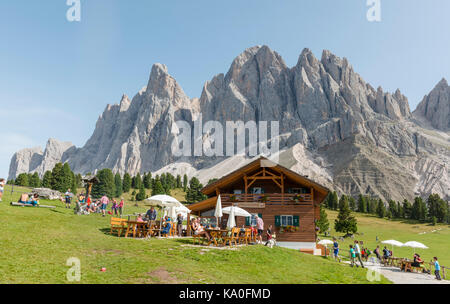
{"points": [[369, 227], [36, 243]]}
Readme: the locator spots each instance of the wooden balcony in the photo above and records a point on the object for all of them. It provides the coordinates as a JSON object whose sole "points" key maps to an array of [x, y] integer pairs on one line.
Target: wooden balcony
{"points": [[269, 198]]}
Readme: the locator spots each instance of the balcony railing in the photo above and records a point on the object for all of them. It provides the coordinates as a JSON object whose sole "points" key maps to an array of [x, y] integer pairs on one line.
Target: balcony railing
{"points": [[268, 198]]}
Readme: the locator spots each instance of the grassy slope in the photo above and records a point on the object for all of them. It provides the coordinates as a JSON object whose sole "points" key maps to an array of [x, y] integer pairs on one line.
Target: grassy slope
{"points": [[36, 243], [403, 231]]}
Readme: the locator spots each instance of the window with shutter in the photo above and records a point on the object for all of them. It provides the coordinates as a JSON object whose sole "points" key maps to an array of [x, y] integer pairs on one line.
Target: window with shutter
{"points": [[296, 220], [277, 221]]}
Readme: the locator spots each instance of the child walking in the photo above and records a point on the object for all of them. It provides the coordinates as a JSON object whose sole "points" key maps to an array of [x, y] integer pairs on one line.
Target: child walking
{"points": [[352, 256], [437, 269]]}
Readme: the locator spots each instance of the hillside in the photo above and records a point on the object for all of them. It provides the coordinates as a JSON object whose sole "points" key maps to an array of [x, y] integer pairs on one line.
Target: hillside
{"points": [[37, 242], [369, 227]]}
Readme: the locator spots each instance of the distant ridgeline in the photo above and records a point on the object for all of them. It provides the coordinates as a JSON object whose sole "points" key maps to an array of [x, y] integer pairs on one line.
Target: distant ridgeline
{"points": [[333, 126]]}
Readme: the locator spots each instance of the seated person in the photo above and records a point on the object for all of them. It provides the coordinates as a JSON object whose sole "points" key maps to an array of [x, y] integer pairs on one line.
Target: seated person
{"points": [[34, 200], [151, 214], [23, 198], [139, 218], [417, 261], [167, 227], [199, 229]]}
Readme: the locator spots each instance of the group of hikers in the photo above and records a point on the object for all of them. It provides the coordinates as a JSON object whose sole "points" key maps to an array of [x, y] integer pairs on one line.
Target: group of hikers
{"points": [[85, 205], [359, 253]]}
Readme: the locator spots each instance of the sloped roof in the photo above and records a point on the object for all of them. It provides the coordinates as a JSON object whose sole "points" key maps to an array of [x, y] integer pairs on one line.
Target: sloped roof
{"points": [[263, 162]]}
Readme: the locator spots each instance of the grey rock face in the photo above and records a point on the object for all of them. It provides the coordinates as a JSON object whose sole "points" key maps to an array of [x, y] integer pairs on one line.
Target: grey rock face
{"points": [[364, 140], [34, 160], [435, 107]]}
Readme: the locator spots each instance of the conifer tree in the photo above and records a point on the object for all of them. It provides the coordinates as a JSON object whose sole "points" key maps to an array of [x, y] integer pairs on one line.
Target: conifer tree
{"points": [[345, 221], [47, 180], [194, 193], [118, 184], [323, 222], [126, 185]]}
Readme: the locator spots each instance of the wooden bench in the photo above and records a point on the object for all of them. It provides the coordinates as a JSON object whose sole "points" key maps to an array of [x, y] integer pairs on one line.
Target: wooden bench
{"points": [[118, 224]]}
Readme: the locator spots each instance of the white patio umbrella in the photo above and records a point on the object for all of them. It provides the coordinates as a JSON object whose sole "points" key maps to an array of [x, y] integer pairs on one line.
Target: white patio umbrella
{"points": [[414, 244], [164, 201], [237, 211], [392, 243], [218, 212], [325, 243], [231, 219]]}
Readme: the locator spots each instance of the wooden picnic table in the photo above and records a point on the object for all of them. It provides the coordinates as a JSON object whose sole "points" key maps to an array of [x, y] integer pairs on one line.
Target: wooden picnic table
{"points": [[136, 227], [216, 236], [406, 265]]}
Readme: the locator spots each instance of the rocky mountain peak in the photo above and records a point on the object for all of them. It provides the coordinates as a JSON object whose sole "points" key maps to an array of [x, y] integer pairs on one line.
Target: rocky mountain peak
{"points": [[125, 103], [435, 107], [164, 87]]}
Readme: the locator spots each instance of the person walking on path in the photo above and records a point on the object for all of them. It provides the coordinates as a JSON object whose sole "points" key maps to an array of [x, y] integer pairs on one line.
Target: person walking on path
{"points": [[104, 201], [352, 256], [260, 227], [358, 253], [336, 250], [437, 269]]}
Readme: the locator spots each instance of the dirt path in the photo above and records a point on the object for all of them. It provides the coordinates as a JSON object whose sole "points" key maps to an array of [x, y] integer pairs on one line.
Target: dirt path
{"points": [[396, 276]]}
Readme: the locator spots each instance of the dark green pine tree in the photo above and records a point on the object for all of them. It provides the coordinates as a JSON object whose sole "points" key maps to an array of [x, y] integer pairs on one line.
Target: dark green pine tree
{"points": [[67, 177], [58, 178], [407, 209], [323, 222], [75, 185], [126, 185], [344, 200], [437, 208], [148, 180], [35, 181], [393, 209], [185, 182], [141, 195], [194, 193], [381, 209], [362, 204], [157, 187], [416, 209], [118, 184], [352, 203], [47, 180], [345, 222], [334, 201], [105, 186], [179, 183], [22, 180]]}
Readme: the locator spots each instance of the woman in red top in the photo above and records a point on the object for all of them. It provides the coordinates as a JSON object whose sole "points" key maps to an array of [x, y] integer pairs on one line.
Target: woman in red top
{"points": [[120, 207]]}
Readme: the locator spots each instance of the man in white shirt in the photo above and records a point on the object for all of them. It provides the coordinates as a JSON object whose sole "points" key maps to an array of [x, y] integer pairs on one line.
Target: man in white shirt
{"points": [[358, 253]]}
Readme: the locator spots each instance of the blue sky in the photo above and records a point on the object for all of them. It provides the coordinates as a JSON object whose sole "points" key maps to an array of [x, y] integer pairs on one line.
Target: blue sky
{"points": [[56, 77]]}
